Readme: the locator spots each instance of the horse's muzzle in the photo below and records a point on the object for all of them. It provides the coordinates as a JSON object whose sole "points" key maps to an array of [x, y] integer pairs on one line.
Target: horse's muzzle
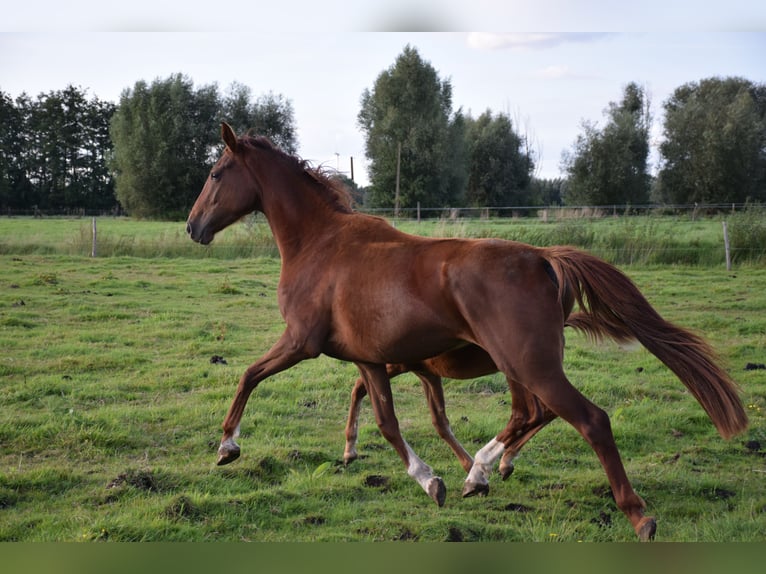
{"points": [[198, 234]]}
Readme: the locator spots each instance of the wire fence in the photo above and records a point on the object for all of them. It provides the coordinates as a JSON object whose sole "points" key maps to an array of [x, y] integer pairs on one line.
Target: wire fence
{"points": [[545, 213], [703, 235], [557, 212]]}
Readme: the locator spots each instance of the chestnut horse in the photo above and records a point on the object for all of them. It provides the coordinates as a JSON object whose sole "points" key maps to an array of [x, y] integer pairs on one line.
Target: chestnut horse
{"points": [[354, 288]]}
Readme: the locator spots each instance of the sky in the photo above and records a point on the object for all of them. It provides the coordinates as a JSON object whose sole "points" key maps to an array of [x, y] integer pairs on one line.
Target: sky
{"points": [[548, 82]]}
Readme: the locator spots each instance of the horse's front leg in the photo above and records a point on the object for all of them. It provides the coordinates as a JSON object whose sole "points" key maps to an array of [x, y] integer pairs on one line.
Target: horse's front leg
{"points": [[379, 389], [528, 416], [432, 388], [283, 355], [352, 424]]}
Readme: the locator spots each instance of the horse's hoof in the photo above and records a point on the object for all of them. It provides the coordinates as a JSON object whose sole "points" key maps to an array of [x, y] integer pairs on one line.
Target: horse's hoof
{"points": [[349, 458], [437, 491], [646, 528], [475, 489], [227, 453], [506, 471]]}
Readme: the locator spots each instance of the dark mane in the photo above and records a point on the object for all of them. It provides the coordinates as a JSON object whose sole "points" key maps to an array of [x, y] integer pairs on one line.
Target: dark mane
{"points": [[331, 187]]}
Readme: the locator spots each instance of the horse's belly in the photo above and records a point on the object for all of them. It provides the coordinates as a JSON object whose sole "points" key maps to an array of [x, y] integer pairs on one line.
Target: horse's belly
{"points": [[394, 338]]}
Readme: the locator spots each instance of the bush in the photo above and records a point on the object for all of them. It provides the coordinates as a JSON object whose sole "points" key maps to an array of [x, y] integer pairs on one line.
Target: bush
{"points": [[747, 234]]}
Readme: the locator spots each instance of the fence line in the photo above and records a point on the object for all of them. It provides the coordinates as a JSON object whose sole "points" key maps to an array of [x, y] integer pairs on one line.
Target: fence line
{"points": [[554, 212], [743, 240]]}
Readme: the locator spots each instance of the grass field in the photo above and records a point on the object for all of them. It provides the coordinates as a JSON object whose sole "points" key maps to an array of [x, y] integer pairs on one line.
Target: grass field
{"points": [[640, 240], [110, 409]]}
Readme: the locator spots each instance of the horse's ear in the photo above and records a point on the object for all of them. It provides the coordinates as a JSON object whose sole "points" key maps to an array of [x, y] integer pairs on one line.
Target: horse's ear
{"points": [[229, 137]]}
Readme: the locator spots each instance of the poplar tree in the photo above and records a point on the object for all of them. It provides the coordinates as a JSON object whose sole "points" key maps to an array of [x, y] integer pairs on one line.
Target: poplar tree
{"points": [[609, 165], [410, 128]]}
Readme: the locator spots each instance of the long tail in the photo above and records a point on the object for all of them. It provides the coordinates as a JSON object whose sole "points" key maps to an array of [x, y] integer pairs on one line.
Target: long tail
{"points": [[612, 306]]}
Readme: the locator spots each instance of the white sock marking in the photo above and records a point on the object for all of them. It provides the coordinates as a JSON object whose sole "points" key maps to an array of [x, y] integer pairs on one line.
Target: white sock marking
{"points": [[483, 461], [418, 469]]}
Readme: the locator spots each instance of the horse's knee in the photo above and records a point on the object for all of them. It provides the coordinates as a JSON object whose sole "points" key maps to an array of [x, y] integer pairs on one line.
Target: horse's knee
{"points": [[359, 391], [597, 428]]}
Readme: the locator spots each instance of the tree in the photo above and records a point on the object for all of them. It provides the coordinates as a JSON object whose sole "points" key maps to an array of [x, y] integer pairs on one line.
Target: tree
{"points": [[271, 115], [163, 137], [546, 191], [499, 164], [14, 184], [167, 135], [98, 187], [408, 122], [53, 152], [609, 166], [714, 146]]}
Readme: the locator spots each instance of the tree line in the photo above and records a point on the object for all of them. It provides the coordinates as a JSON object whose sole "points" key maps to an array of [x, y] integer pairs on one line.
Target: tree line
{"points": [[148, 154], [54, 152], [713, 147]]}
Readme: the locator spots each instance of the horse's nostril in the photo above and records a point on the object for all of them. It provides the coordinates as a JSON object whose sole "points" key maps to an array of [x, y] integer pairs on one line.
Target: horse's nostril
{"points": [[188, 228]]}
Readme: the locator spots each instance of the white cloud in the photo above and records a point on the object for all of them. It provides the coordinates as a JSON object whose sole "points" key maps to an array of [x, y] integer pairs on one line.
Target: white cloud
{"points": [[557, 72], [554, 72], [526, 41]]}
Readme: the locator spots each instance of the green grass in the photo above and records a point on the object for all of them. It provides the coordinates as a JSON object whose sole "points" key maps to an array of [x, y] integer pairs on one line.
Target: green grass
{"points": [[110, 413], [635, 240], [117, 237]]}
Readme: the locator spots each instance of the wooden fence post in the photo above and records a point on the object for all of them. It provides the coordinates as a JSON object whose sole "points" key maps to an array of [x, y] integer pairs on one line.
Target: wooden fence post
{"points": [[94, 243], [726, 246]]}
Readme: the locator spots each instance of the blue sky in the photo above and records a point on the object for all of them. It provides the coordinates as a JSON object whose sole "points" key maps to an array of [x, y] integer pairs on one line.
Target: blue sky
{"points": [[547, 82]]}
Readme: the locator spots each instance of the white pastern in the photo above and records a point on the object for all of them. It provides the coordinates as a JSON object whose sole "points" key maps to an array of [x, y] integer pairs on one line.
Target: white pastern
{"points": [[508, 458], [229, 444], [349, 453], [418, 469], [483, 462]]}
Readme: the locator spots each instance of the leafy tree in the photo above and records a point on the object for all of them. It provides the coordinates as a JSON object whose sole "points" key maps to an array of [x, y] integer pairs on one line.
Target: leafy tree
{"points": [[13, 178], [98, 185], [270, 115], [407, 119], [714, 147], [609, 166], [546, 191], [499, 165], [54, 150], [163, 137], [166, 137]]}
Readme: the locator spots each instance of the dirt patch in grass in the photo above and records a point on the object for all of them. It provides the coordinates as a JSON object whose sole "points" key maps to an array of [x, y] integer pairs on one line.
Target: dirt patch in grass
{"points": [[516, 507], [145, 480], [182, 507], [377, 481]]}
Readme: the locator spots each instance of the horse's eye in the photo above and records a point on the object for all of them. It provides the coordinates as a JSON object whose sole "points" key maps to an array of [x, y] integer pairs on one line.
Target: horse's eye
{"points": [[215, 176]]}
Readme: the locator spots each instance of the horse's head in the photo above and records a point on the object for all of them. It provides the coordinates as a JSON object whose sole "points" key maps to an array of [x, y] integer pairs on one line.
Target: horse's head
{"points": [[229, 194]]}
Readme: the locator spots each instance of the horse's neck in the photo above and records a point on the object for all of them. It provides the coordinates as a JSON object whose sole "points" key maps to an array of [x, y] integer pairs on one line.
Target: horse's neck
{"points": [[300, 219]]}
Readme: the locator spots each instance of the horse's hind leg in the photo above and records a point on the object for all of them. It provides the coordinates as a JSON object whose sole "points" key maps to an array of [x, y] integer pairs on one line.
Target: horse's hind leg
{"points": [[379, 389], [593, 424]]}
